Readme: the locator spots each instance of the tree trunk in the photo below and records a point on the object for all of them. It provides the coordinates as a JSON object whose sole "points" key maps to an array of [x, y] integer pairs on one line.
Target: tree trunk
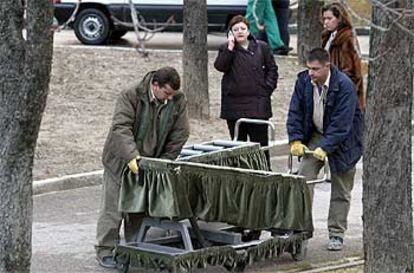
{"points": [[309, 27], [387, 200], [25, 65], [195, 58]]}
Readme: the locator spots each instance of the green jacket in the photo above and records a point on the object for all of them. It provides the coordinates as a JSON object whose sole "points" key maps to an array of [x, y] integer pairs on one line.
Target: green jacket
{"points": [[130, 123]]}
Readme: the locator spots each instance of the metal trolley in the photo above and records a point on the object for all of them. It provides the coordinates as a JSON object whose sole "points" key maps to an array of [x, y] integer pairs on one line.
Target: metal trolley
{"points": [[272, 132], [186, 236]]}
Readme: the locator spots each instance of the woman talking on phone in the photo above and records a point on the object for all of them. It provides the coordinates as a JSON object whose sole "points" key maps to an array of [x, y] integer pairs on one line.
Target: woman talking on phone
{"points": [[250, 76]]}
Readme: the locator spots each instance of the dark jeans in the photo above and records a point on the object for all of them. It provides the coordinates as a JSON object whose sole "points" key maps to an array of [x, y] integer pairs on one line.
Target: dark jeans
{"points": [[256, 132], [282, 11]]}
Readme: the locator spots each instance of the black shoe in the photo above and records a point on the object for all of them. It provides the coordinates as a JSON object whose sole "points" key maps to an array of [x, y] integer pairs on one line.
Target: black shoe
{"points": [[284, 50], [106, 261]]}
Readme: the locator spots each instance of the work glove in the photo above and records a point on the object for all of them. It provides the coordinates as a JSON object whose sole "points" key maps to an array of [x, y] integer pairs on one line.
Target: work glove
{"points": [[320, 154], [133, 165], [297, 148]]}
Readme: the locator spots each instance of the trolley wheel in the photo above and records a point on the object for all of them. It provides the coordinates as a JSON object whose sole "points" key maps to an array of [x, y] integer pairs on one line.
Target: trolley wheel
{"points": [[300, 253], [164, 269], [240, 267], [123, 267]]}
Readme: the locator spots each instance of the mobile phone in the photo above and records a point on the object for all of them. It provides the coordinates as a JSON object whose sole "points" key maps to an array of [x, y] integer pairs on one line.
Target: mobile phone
{"points": [[230, 35]]}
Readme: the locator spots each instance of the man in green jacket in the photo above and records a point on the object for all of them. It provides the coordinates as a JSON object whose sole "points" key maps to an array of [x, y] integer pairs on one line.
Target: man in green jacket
{"points": [[150, 120]]}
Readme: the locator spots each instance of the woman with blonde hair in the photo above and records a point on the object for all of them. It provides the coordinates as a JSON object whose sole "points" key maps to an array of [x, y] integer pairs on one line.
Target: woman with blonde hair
{"points": [[341, 43]]}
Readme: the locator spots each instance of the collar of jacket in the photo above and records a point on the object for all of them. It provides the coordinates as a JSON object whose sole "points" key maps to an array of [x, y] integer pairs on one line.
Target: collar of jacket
{"points": [[341, 37], [333, 82], [308, 87], [142, 120], [253, 44], [142, 88]]}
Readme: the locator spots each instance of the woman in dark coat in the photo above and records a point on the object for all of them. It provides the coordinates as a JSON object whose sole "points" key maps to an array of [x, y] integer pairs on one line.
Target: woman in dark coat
{"points": [[339, 41], [250, 76]]}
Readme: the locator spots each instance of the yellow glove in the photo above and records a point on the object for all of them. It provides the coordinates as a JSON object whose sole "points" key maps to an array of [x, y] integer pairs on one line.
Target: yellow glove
{"points": [[133, 165], [319, 154], [297, 148]]}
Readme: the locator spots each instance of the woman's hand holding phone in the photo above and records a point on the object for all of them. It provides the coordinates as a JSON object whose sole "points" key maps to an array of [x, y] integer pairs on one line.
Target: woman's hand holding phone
{"points": [[230, 40]]}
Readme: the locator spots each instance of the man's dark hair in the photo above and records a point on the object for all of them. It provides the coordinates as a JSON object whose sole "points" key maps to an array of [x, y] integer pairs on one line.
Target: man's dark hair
{"points": [[318, 54], [167, 75], [238, 19]]}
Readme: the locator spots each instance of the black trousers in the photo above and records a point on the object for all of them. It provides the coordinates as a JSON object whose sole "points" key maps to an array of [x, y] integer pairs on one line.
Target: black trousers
{"points": [[256, 132], [282, 11]]}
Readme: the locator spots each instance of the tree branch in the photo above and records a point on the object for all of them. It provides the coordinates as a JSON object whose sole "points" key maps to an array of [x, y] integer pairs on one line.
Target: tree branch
{"points": [[71, 18], [369, 22], [369, 59], [138, 24]]}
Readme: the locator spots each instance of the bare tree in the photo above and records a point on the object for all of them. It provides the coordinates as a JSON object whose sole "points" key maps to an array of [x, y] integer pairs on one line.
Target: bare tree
{"points": [[387, 185], [25, 64], [142, 33], [195, 58], [309, 27]]}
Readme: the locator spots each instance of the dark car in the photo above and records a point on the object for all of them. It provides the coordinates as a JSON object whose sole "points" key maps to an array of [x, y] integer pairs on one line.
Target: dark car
{"points": [[94, 23]]}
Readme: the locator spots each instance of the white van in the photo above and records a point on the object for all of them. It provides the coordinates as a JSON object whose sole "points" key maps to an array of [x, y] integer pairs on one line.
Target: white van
{"points": [[93, 24]]}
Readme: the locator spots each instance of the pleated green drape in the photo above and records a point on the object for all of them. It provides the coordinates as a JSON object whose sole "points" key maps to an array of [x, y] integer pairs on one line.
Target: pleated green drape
{"points": [[225, 256], [249, 156], [244, 198]]}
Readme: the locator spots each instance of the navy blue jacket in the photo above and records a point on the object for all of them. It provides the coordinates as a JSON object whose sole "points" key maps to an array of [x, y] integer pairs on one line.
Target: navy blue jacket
{"points": [[342, 120]]}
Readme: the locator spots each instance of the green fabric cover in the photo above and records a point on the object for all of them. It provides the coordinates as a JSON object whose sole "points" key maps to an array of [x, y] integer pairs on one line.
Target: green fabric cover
{"points": [[249, 156], [225, 256], [244, 198]]}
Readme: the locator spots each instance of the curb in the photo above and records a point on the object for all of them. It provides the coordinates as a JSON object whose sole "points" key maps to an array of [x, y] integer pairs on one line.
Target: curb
{"points": [[94, 178], [344, 264], [67, 182]]}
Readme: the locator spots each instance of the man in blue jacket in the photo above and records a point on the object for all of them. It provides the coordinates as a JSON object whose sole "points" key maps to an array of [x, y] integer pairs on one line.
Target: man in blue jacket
{"points": [[324, 116]]}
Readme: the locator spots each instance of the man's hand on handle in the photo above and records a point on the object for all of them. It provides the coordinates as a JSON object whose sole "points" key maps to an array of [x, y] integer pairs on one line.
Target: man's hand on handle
{"points": [[133, 165], [297, 148], [320, 154]]}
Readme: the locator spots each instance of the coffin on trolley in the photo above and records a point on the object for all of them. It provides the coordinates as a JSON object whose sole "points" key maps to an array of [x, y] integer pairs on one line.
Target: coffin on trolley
{"points": [[222, 188]]}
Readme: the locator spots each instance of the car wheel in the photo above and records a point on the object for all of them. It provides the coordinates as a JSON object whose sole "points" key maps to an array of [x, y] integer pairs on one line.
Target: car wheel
{"points": [[117, 34], [92, 27]]}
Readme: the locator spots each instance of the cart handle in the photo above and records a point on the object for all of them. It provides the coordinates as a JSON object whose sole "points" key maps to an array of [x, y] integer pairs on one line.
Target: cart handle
{"points": [[325, 176], [256, 121]]}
